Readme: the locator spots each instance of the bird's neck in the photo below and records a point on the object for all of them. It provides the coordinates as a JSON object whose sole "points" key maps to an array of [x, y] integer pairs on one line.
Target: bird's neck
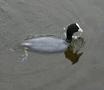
{"points": [[69, 38]]}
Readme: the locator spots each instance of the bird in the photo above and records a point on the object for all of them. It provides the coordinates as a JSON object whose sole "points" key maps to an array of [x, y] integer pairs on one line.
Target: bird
{"points": [[51, 43]]}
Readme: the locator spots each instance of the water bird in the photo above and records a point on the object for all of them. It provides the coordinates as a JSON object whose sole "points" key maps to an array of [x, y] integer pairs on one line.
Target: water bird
{"points": [[51, 43]]}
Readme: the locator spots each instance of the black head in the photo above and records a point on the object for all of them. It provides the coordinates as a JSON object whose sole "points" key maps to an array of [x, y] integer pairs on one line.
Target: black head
{"points": [[70, 30]]}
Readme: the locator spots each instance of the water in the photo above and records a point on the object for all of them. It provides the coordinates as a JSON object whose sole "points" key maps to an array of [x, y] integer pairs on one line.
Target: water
{"points": [[20, 18]]}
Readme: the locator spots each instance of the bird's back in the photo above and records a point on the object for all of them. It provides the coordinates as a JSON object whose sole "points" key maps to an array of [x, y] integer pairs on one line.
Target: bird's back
{"points": [[46, 44]]}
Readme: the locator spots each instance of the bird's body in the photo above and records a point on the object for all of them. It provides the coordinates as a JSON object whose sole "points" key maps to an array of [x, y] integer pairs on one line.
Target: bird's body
{"points": [[49, 44]]}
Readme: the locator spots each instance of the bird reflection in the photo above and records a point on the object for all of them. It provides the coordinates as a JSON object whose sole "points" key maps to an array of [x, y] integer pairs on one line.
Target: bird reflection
{"points": [[73, 53]]}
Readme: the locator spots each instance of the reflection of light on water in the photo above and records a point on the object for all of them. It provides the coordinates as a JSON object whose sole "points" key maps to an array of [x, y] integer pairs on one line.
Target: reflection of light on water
{"points": [[73, 53]]}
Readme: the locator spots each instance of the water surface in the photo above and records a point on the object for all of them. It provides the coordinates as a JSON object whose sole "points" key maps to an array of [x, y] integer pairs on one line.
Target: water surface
{"points": [[20, 18]]}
